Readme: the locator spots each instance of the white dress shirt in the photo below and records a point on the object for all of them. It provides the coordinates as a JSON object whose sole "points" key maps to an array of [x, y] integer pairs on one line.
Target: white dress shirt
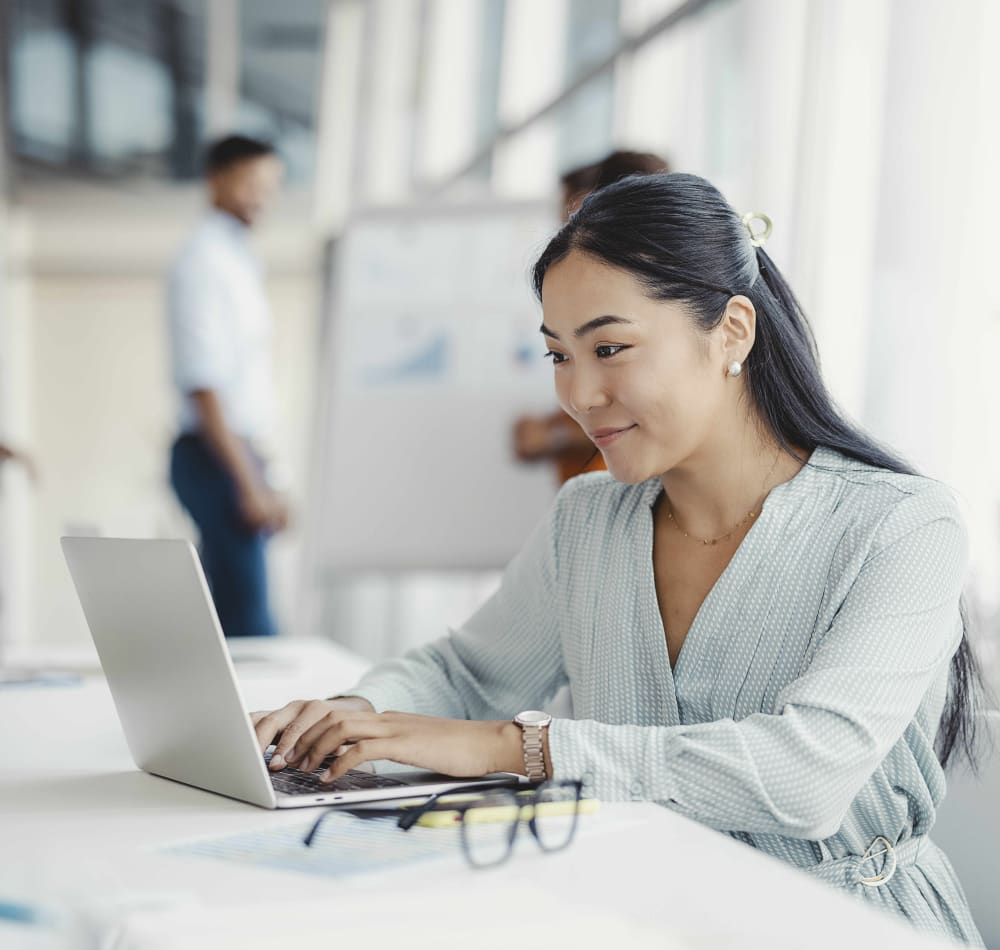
{"points": [[220, 327]]}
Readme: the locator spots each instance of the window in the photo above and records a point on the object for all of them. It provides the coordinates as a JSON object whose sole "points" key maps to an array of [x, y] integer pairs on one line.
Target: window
{"points": [[116, 88]]}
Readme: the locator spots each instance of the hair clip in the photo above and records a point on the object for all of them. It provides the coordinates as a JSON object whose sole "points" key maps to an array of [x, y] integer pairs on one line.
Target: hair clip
{"points": [[758, 238]]}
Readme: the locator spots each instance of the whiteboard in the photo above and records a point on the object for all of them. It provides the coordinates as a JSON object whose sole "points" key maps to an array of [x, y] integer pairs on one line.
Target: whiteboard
{"points": [[431, 351]]}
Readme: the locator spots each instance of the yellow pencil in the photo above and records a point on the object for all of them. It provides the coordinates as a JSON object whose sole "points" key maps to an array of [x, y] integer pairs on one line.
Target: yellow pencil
{"points": [[496, 813]]}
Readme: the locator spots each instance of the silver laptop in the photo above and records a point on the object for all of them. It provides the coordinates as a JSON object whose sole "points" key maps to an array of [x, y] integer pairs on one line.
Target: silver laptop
{"points": [[165, 658]]}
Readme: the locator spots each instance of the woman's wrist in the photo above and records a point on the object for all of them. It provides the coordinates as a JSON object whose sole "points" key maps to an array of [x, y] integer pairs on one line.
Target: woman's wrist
{"points": [[510, 756], [347, 701]]}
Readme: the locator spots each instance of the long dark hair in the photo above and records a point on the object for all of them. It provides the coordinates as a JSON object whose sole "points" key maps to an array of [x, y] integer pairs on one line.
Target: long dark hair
{"points": [[681, 239]]}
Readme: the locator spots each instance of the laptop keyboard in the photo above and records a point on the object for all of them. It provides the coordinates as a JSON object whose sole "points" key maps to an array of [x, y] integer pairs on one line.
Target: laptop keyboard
{"points": [[294, 782]]}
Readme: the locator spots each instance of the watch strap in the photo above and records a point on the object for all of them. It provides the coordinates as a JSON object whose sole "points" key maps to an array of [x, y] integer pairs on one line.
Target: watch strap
{"points": [[532, 742]]}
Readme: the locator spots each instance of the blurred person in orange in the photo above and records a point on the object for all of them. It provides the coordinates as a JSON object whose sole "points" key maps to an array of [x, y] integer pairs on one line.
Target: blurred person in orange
{"points": [[555, 437], [220, 346]]}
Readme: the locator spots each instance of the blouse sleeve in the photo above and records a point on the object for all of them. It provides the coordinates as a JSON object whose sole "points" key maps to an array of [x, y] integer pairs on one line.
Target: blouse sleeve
{"points": [[505, 658], [797, 771]]}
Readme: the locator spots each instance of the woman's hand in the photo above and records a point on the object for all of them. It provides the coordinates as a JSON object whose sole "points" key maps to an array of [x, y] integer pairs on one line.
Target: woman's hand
{"points": [[310, 731], [284, 727]]}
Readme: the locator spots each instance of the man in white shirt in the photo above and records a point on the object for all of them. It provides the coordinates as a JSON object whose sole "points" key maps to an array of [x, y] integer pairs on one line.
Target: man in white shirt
{"points": [[220, 347]]}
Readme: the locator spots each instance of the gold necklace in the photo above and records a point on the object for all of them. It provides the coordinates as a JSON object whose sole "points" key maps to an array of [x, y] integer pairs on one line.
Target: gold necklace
{"points": [[722, 537]]}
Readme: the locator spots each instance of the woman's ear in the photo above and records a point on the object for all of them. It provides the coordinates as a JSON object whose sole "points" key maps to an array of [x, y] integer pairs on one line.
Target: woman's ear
{"points": [[738, 328]]}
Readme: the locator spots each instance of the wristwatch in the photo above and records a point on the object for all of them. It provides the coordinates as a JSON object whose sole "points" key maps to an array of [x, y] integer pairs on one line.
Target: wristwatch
{"points": [[533, 724]]}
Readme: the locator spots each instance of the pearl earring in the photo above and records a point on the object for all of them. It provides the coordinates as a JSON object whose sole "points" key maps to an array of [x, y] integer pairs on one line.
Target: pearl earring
{"points": [[735, 368]]}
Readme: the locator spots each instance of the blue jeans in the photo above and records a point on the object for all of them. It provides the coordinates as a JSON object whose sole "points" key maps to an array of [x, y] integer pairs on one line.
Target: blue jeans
{"points": [[232, 554]]}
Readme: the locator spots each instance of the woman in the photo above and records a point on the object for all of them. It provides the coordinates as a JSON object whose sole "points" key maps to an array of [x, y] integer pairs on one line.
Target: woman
{"points": [[756, 611]]}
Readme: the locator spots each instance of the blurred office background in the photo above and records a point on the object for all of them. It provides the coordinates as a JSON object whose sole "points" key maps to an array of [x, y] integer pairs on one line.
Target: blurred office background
{"points": [[867, 129]]}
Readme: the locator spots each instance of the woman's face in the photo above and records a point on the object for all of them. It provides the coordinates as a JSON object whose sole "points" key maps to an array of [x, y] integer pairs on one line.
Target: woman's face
{"points": [[639, 377]]}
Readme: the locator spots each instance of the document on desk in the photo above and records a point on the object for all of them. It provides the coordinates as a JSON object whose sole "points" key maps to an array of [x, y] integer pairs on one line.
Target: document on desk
{"points": [[345, 845], [349, 845]]}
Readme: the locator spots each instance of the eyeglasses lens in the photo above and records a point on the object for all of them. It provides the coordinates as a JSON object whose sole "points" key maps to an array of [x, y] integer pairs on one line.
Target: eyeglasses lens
{"points": [[489, 826], [555, 815]]}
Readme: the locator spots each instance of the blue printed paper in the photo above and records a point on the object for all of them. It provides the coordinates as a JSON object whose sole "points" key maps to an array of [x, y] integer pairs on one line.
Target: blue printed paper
{"points": [[345, 845]]}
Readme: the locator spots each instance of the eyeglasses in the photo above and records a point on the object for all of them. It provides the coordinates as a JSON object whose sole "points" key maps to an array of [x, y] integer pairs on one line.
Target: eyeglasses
{"points": [[488, 819]]}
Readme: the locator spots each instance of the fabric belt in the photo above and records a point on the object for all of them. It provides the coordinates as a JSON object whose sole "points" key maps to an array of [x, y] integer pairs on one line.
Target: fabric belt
{"points": [[874, 868]]}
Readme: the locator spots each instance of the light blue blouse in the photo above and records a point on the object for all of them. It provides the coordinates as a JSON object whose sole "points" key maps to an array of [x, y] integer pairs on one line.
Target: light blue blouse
{"points": [[800, 717]]}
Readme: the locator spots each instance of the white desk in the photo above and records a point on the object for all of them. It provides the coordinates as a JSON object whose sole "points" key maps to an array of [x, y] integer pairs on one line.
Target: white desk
{"points": [[77, 818]]}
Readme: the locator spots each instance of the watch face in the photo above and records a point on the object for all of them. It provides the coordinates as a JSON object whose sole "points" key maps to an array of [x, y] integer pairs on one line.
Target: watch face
{"points": [[532, 717]]}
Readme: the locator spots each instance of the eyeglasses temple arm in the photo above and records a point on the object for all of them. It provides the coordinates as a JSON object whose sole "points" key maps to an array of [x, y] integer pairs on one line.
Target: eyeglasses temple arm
{"points": [[412, 815], [308, 839]]}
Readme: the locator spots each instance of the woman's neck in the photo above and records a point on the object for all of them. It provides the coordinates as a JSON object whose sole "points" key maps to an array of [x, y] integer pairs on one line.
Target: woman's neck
{"points": [[719, 485]]}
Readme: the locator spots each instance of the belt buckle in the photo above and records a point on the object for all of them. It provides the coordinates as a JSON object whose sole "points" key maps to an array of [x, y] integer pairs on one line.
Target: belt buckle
{"points": [[888, 870]]}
